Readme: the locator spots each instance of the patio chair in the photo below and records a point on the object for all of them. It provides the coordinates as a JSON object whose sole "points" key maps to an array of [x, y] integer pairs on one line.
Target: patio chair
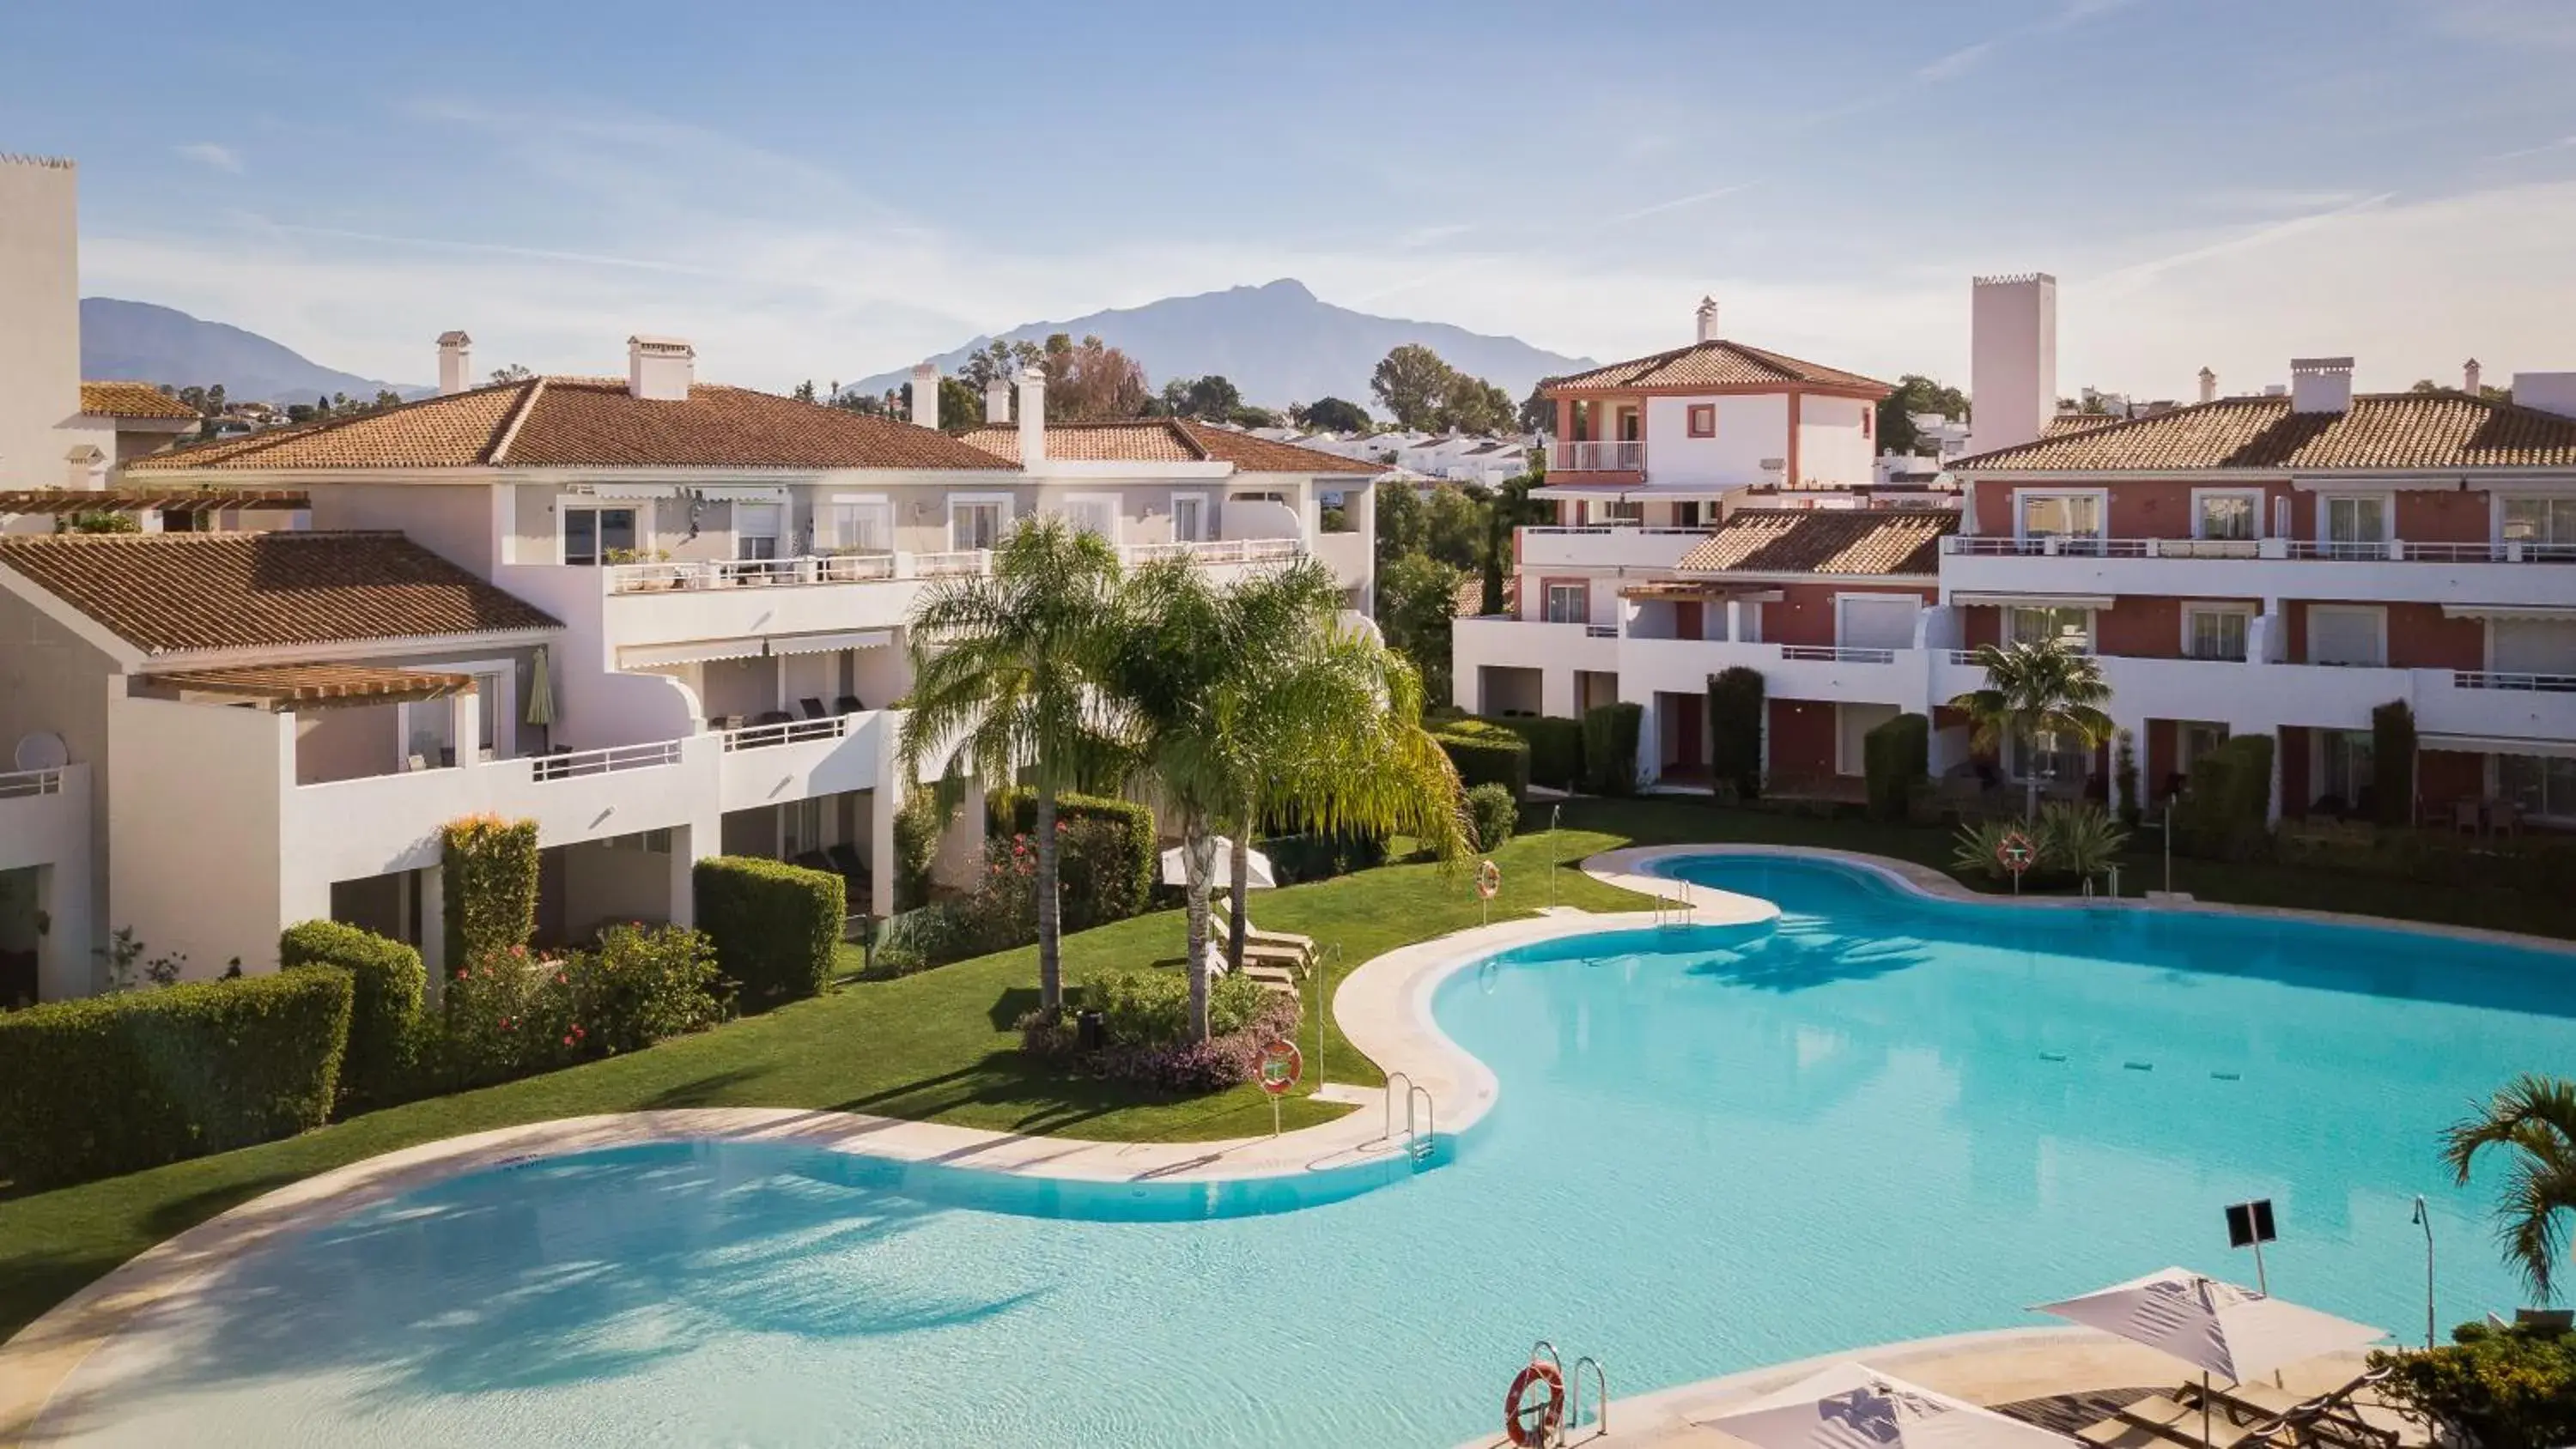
{"points": [[814, 708], [813, 860], [2332, 1419], [2160, 1422], [2465, 815], [1303, 946], [774, 717], [845, 859], [848, 704], [2504, 817], [724, 722]]}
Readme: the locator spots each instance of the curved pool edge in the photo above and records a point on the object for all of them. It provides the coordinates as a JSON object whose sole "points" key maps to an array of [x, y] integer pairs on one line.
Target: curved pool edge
{"points": [[1632, 865], [1383, 1006]]}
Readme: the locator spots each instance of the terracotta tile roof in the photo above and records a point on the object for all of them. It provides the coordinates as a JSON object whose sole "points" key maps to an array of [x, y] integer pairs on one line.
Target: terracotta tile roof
{"points": [[1825, 541], [587, 422], [1168, 440], [2381, 432], [306, 687], [165, 500], [1712, 364], [170, 592], [2066, 425], [131, 400]]}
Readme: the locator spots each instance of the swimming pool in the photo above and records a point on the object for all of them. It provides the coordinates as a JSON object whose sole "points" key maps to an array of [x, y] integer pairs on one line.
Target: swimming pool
{"points": [[1880, 1117]]}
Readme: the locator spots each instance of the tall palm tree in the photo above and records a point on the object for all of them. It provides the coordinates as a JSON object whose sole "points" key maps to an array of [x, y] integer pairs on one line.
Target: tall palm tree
{"points": [[2534, 1118], [1255, 699], [2035, 691], [1006, 674]]}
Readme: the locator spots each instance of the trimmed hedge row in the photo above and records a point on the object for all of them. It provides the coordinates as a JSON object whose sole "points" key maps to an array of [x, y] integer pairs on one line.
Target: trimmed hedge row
{"points": [[119, 1083], [1735, 709], [1485, 753], [488, 878], [1555, 748], [776, 927], [2226, 811], [2392, 763], [1610, 747], [384, 1011], [1495, 814], [1103, 874], [1895, 756]]}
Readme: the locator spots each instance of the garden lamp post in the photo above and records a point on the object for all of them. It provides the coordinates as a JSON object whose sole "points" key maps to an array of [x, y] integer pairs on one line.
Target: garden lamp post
{"points": [[2424, 1220]]}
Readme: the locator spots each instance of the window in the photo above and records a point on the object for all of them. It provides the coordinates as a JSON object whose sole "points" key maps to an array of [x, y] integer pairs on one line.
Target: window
{"points": [[756, 527], [1868, 422], [863, 525], [2061, 515], [2347, 636], [1703, 420], [974, 523], [2539, 784], [1625, 510], [1094, 513], [2024, 624], [1686, 515], [1189, 517], [2225, 515], [2214, 633], [2198, 738], [2050, 758], [2343, 766], [1631, 427], [592, 535], [2356, 527], [803, 826], [2543, 523], [428, 725], [1569, 603]]}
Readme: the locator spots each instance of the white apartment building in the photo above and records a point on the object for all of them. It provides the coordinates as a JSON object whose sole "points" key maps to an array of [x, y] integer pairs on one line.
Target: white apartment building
{"points": [[662, 617]]}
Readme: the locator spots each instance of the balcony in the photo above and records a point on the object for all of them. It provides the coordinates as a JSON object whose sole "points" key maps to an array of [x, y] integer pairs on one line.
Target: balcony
{"points": [[2398, 571], [2264, 695], [1789, 671], [776, 763], [1606, 546], [44, 816], [1627, 457]]}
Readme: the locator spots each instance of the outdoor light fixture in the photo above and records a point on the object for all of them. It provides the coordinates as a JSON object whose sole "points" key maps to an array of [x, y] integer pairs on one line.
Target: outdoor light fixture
{"points": [[2424, 1220]]}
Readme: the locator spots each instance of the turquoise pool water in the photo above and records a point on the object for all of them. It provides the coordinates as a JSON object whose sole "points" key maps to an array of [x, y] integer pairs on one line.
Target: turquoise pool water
{"points": [[1880, 1118]]}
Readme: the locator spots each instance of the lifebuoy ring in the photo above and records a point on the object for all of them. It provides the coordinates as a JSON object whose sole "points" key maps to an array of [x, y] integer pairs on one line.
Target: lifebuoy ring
{"points": [[2014, 852], [1489, 879], [1532, 1423]]}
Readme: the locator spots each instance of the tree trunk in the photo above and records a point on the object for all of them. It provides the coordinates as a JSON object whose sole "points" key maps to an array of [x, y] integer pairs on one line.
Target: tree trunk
{"points": [[1237, 927], [2029, 795], [1199, 853], [1050, 909]]}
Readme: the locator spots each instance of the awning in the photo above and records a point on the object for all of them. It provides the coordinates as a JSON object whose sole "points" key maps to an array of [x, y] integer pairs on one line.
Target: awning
{"points": [[633, 490], [646, 656], [712, 492], [2509, 611], [303, 688], [827, 643], [2036, 601], [1710, 590], [1630, 493], [2497, 745]]}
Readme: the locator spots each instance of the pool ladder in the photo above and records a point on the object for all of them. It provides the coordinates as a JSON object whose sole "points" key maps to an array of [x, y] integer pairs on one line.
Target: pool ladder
{"points": [[1675, 909], [1421, 1129], [1573, 1379]]}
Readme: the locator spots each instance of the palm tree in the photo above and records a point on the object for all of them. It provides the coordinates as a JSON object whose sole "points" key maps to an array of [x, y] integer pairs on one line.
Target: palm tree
{"points": [[2534, 1117], [2035, 691], [1254, 700], [1006, 671]]}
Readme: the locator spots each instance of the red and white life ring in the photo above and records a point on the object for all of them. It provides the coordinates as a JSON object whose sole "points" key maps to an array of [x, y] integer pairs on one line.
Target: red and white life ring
{"points": [[1489, 879], [1530, 1422]]}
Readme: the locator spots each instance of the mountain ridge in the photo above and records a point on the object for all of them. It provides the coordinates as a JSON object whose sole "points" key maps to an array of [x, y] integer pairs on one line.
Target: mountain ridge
{"points": [[1277, 342], [127, 341]]}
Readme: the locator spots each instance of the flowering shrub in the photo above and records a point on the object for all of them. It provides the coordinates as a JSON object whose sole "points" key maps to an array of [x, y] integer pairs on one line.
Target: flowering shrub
{"points": [[1145, 1016], [510, 1013], [644, 984]]}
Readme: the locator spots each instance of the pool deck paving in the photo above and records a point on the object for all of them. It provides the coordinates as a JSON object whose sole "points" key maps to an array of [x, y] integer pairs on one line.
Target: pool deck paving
{"points": [[1384, 1008]]}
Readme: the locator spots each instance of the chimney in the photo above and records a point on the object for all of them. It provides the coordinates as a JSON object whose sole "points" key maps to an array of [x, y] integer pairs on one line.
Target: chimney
{"points": [[87, 468], [1708, 319], [997, 402], [2551, 392], [2469, 377], [455, 363], [660, 369], [925, 394], [2208, 385], [2012, 367], [1032, 418], [2320, 384]]}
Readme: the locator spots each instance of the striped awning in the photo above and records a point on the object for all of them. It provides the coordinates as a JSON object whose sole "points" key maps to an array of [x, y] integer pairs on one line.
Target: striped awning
{"points": [[827, 643], [2498, 745], [646, 656], [303, 688]]}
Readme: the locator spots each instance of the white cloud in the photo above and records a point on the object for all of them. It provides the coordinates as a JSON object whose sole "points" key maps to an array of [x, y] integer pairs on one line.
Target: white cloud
{"points": [[209, 153], [1957, 63]]}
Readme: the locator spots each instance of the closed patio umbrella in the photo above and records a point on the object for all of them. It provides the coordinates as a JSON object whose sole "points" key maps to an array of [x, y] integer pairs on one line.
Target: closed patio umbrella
{"points": [[1176, 866], [541, 687], [1854, 1406]]}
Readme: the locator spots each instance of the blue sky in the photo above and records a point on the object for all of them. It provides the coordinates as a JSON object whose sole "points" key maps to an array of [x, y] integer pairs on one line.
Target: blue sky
{"points": [[833, 190]]}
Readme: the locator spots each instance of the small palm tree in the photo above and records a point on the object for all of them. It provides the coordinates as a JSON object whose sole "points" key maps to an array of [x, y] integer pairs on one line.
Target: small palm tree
{"points": [[2534, 1119], [1006, 671], [2035, 691]]}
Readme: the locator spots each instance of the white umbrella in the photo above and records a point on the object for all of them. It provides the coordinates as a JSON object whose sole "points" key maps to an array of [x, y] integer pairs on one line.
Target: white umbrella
{"points": [[1176, 867], [2216, 1327], [1854, 1406]]}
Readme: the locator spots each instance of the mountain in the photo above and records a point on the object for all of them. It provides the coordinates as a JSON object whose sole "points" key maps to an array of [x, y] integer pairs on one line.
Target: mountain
{"points": [[1278, 344], [139, 342]]}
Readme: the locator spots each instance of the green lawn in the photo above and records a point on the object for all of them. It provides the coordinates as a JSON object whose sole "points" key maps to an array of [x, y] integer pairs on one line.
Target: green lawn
{"points": [[938, 1046]]}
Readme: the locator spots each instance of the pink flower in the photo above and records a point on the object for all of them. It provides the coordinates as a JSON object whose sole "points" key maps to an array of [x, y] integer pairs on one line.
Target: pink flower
{"points": [[567, 1041]]}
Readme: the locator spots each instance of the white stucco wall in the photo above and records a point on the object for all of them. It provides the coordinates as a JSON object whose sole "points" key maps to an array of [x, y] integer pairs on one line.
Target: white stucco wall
{"points": [[40, 323], [185, 776], [454, 521], [1832, 449], [1750, 428]]}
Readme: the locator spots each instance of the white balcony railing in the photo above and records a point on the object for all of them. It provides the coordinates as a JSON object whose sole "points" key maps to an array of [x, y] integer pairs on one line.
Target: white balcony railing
{"points": [[753, 737], [2394, 551], [18, 784], [1627, 457], [1642, 530], [863, 568], [2494, 679], [580, 764], [1216, 551], [1837, 654]]}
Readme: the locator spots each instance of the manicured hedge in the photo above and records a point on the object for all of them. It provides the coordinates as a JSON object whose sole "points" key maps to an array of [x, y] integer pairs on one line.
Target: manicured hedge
{"points": [[1106, 869], [776, 927], [1610, 747], [118, 1083], [916, 847], [1297, 859], [2226, 812], [1495, 813], [488, 878], [1735, 705], [384, 1013], [2392, 764], [1485, 754], [1555, 748], [1895, 757]]}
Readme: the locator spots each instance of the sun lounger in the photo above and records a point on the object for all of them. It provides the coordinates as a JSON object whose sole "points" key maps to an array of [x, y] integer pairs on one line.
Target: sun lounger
{"points": [[2161, 1423], [2330, 1419], [1254, 935]]}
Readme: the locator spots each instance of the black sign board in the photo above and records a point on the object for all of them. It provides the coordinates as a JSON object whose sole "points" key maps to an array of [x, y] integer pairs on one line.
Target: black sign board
{"points": [[2249, 1223]]}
